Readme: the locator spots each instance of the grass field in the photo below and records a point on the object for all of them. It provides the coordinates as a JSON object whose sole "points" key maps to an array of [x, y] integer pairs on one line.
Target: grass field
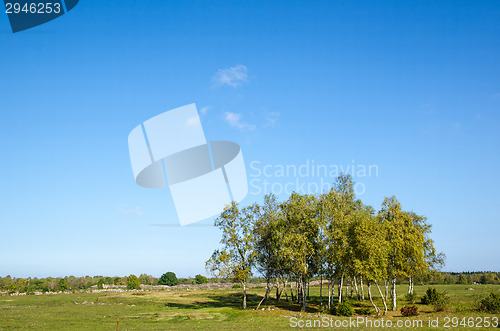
{"points": [[175, 309]]}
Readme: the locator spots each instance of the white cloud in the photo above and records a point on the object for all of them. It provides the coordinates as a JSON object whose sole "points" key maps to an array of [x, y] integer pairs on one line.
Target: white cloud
{"points": [[128, 210], [205, 109], [271, 119], [192, 121], [234, 76], [234, 120]]}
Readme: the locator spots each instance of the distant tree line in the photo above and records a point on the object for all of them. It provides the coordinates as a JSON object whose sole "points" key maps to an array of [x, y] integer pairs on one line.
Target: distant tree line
{"points": [[333, 236], [55, 284], [27, 285]]}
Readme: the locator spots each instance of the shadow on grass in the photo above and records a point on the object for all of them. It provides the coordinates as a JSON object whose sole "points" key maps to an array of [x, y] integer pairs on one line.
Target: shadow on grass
{"points": [[235, 300], [232, 300]]}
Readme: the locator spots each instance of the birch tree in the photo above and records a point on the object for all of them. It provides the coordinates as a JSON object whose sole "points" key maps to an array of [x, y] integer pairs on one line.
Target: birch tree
{"points": [[369, 250], [236, 258], [301, 238]]}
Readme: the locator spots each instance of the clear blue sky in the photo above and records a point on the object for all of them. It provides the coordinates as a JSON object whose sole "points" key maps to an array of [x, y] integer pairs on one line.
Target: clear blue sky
{"points": [[412, 87]]}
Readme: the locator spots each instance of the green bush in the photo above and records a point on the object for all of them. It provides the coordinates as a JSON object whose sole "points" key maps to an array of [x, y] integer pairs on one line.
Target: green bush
{"points": [[343, 309], [168, 278], [490, 303], [100, 284], [409, 311], [430, 296], [365, 311], [133, 283], [199, 279], [62, 286], [439, 300], [236, 286]]}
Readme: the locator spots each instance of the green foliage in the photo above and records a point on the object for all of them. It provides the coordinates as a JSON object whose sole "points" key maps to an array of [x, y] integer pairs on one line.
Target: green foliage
{"points": [[199, 279], [236, 286], [61, 285], [100, 283], [133, 283], [490, 303], [462, 279], [168, 278], [116, 280], [237, 256], [442, 303], [431, 296], [411, 297], [145, 279], [343, 309], [439, 300], [365, 311], [409, 311]]}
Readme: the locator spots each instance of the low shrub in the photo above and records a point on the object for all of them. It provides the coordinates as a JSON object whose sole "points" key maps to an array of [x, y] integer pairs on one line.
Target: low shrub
{"points": [[490, 303], [365, 311], [439, 300], [343, 309], [409, 311], [441, 303], [430, 296]]}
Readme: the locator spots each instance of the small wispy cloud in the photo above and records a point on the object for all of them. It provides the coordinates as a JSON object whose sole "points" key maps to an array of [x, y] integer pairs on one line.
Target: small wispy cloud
{"points": [[193, 121], [129, 210], [235, 120], [271, 119], [205, 109], [234, 76]]}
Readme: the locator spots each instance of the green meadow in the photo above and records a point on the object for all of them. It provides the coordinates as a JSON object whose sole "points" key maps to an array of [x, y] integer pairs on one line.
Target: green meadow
{"points": [[218, 309]]}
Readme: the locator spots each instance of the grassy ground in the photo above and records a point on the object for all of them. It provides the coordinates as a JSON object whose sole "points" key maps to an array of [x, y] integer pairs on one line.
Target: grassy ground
{"points": [[205, 309]]}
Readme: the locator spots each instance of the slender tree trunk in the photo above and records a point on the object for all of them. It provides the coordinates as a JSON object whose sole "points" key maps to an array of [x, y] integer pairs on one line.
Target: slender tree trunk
{"points": [[410, 285], [371, 299], [279, 290], [362, 289], [304, 294], [285, 281], [291, 290], [347, 286], [329, 293], [341, 286], [299, 293], [356, 288], [268, 289], [308, 286], [394, 293], [321, 290], [383, 299], [244, 295], [333, 291], [386, 284]]}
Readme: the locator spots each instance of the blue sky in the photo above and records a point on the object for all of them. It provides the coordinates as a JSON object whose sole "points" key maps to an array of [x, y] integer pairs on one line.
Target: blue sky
{"points": [[411, 87]]}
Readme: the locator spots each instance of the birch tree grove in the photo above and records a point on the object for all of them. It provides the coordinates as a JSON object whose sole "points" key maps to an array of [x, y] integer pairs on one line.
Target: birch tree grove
{"points": [[332, 236]]}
